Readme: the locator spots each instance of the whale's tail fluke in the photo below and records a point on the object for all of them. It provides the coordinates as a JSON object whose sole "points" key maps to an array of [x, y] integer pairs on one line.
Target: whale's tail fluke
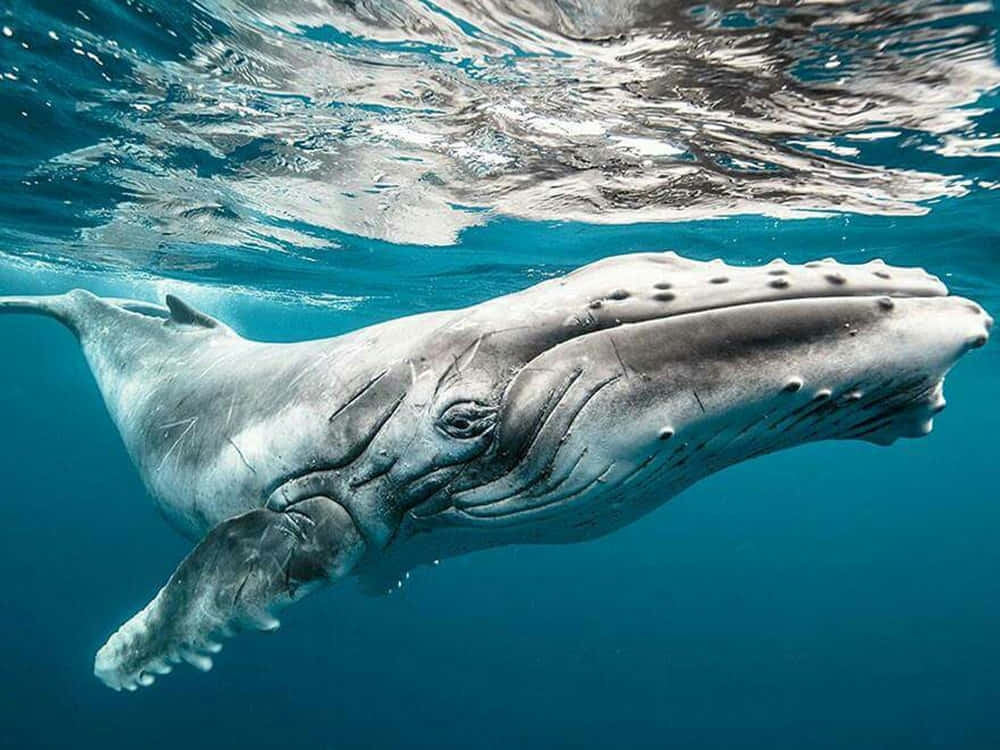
{"points": [[122, 339], [56, 306], [75, 308]]}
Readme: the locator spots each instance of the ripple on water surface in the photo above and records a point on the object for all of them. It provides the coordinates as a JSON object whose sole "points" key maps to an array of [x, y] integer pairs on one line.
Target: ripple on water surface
{"points": [[150, 129]]}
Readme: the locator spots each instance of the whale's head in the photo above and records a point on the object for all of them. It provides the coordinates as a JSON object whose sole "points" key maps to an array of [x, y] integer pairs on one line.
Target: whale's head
{"points": [[570, 408]]}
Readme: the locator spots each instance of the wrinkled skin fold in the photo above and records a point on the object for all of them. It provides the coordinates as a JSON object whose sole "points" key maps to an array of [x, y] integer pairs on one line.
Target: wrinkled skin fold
{"points": [[553, 415]]}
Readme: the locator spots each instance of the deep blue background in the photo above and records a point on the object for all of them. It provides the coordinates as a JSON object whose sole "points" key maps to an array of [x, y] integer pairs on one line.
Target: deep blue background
{"points": [[837, 595]]}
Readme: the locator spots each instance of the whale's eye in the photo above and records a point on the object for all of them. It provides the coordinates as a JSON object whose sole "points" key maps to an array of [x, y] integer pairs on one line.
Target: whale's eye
{"points": [[467, 419]]}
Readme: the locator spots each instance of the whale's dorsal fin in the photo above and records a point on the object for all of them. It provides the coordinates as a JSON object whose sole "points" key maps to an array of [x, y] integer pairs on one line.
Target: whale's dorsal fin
{"points": [[183, 314]]}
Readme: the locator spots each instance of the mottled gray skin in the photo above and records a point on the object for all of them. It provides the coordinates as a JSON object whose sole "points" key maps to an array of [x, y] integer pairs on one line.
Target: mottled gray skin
{"points": [[553, 415]]}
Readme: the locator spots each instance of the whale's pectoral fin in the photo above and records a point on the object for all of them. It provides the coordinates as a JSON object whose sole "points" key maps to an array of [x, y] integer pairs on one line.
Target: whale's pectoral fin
{"points": [[237, 576]]}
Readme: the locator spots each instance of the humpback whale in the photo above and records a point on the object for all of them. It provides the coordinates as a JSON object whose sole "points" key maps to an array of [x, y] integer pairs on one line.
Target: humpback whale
{"points": [[552, 415]]}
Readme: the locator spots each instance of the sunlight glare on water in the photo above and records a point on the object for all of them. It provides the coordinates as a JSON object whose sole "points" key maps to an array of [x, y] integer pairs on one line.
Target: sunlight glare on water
{"points": [[139, 132]]}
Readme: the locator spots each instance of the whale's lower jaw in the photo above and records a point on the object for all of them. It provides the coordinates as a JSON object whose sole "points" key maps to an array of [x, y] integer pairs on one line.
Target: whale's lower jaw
{"points": [[605, 499], [628, 490]]}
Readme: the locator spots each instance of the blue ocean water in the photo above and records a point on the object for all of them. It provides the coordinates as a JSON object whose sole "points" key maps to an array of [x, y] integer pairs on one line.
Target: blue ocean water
{"points": [[300, 171]]}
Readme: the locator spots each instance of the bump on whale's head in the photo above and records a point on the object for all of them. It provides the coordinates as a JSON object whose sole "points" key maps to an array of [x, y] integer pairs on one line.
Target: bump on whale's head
{"points": [[646, 372]]}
